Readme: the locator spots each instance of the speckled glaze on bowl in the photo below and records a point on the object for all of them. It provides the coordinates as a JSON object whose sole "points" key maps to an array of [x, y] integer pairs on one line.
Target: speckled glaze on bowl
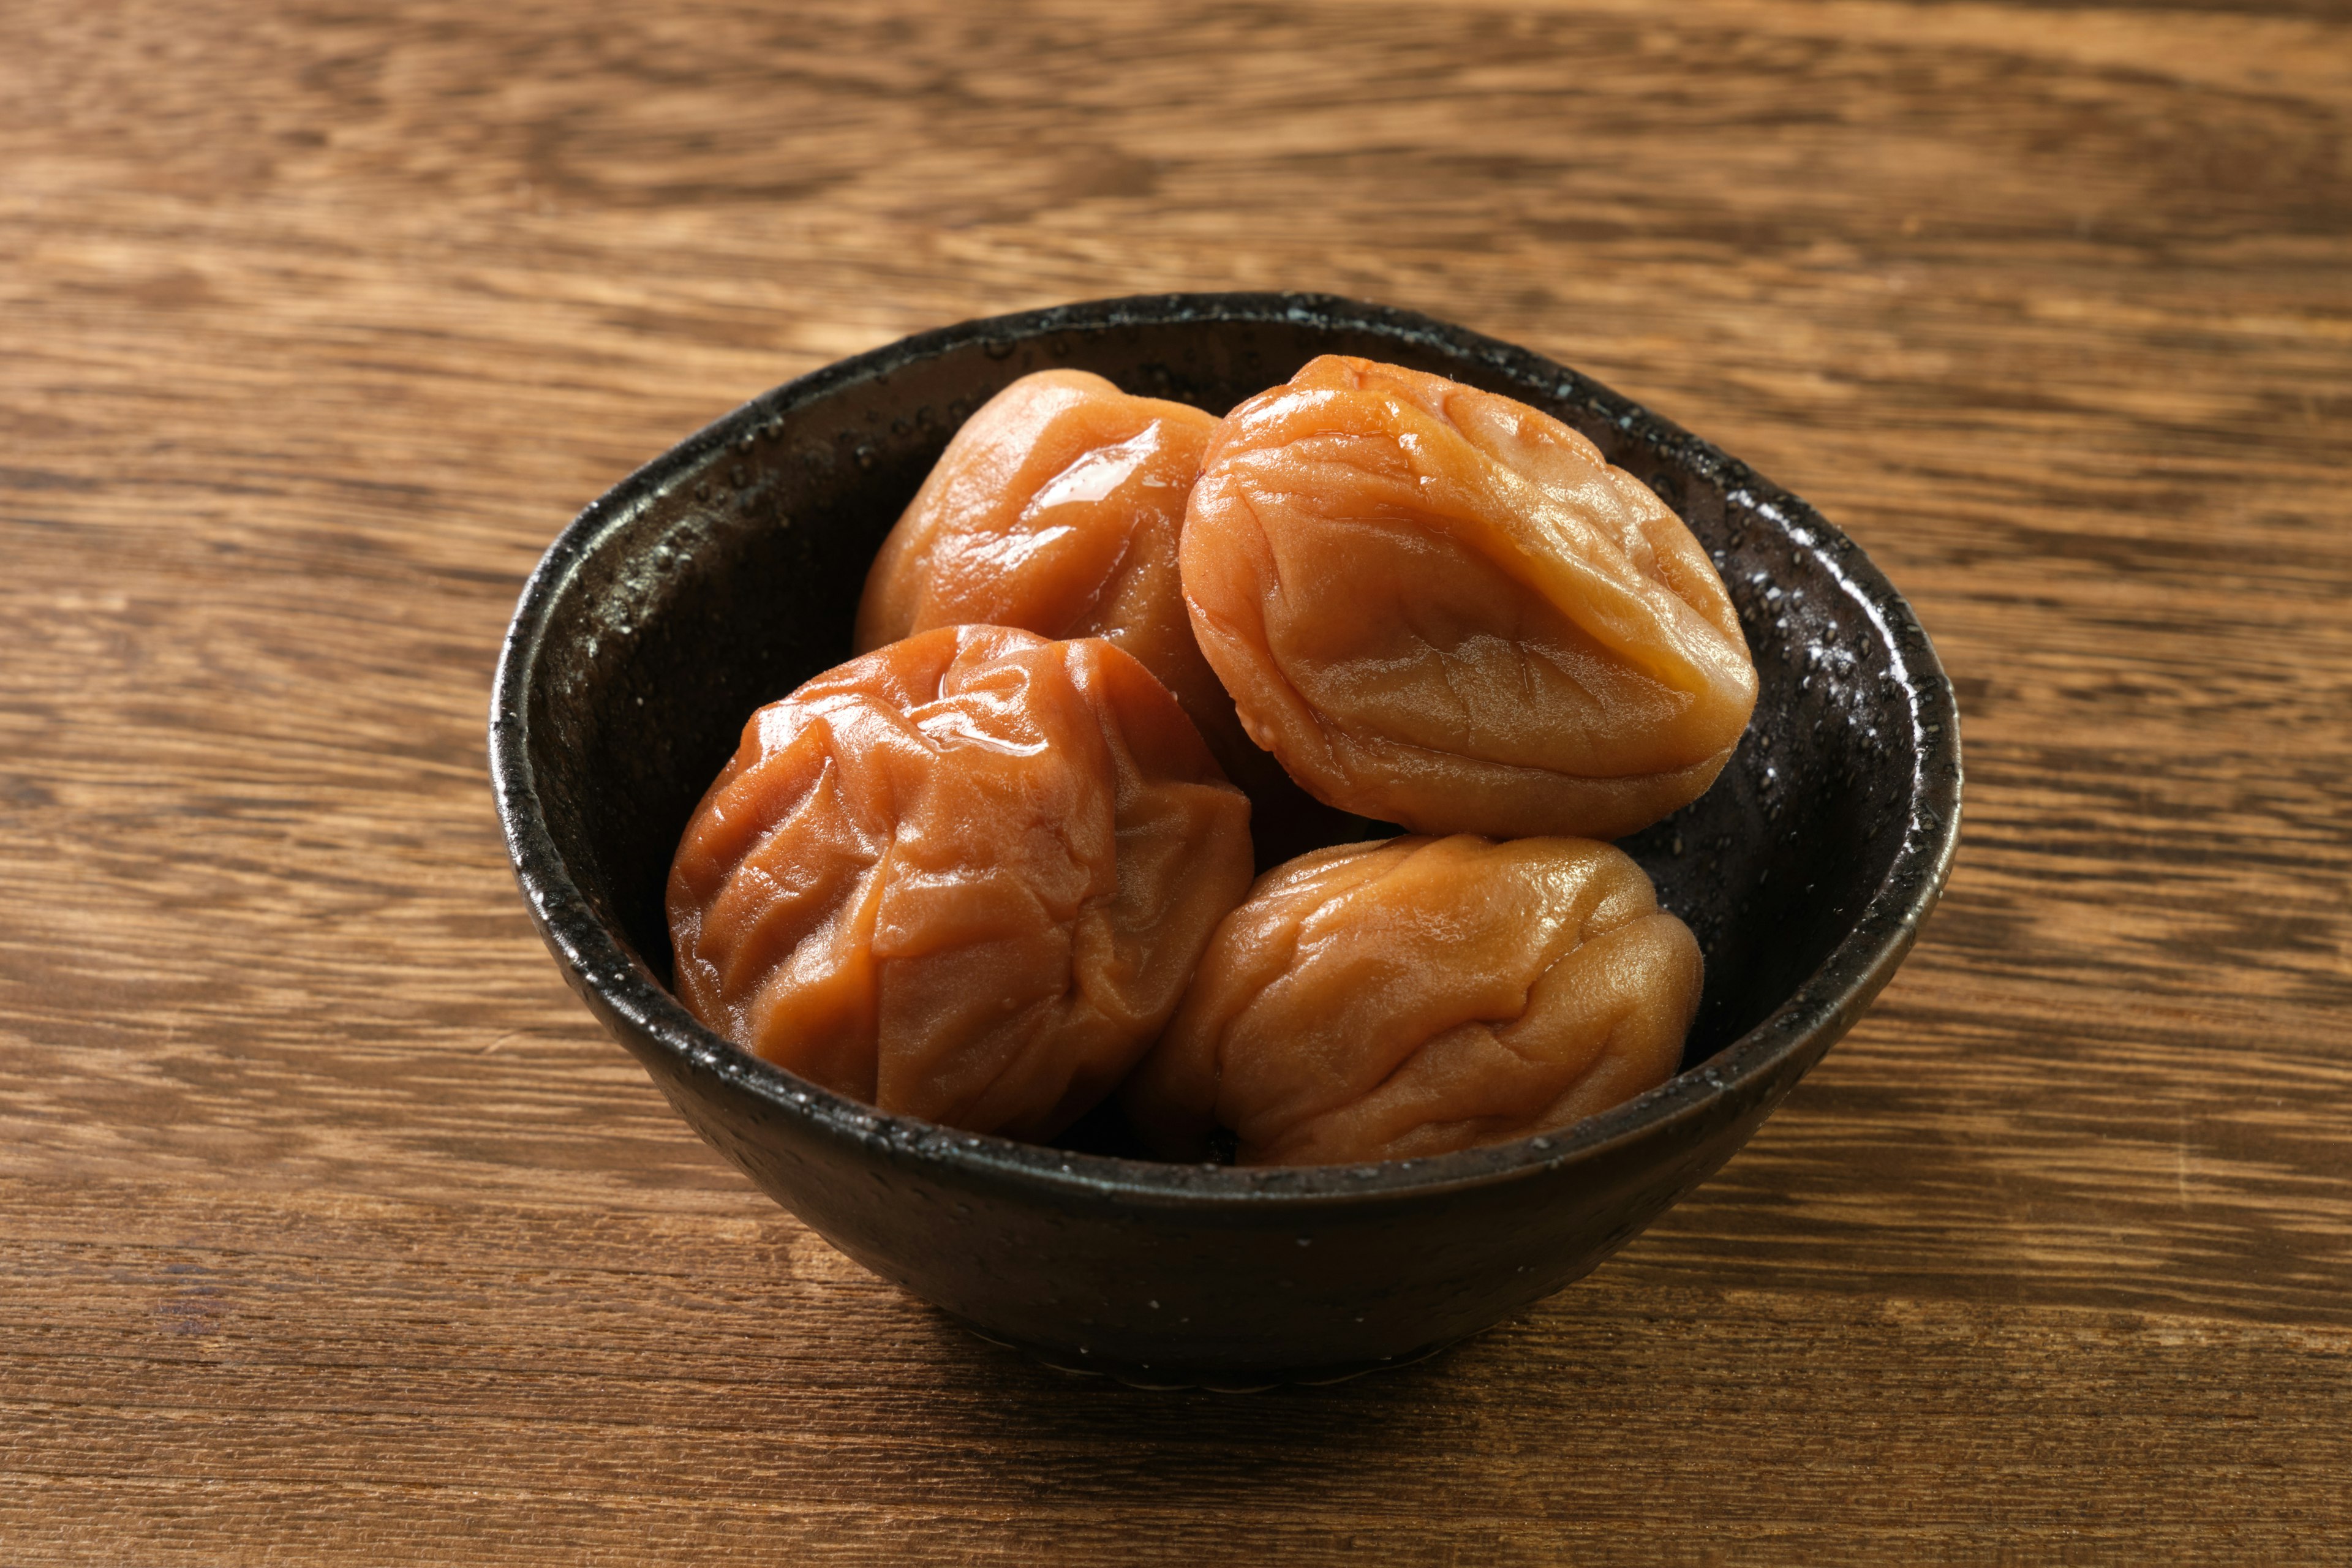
{"points": [[727, 570]]}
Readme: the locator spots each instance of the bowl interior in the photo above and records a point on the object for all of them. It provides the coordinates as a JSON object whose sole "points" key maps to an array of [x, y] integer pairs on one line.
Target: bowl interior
{"points": [[728, 572]]}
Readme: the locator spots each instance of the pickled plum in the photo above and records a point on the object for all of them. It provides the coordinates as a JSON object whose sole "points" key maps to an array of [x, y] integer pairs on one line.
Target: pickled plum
{"points": [[1056, 508], [1441, 607], [964, 876], [1420, 995]]}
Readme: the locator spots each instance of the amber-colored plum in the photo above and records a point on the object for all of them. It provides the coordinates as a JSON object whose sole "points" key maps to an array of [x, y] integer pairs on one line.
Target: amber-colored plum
{"points": [[1056, 508], [1401, 999], [964, 876], [1441, 608]]}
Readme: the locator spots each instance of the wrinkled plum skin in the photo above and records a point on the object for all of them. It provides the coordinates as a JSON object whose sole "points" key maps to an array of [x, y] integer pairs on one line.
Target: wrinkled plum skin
{"points": [[1056, 508], [1412, 997], [1441, 608], [964, 876]]}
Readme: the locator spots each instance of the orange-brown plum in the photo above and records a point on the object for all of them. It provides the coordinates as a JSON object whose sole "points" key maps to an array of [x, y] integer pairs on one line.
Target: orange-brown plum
{"points": [[964, 876], [1056, 508], [1412, 997], [1441, 607]]}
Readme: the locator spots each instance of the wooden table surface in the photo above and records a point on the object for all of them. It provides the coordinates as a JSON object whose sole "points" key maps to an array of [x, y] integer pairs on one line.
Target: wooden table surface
{"points": [[333, 1230]]}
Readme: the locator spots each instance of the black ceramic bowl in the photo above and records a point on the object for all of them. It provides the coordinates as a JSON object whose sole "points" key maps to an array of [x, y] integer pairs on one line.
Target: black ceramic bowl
{"points": [[726, 571]]}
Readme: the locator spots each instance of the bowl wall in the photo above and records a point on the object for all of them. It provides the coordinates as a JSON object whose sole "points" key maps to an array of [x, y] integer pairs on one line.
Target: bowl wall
{"points": [[728, 570]]}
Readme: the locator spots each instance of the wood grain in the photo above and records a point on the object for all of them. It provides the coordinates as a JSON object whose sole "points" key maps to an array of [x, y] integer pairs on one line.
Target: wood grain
{"points": [[331, 1229]]}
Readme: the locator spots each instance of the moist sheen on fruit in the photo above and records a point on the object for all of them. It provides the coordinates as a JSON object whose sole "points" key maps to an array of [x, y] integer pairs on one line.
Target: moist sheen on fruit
{"points": [[1409, 998], [1056, 508], [964, 876], [1441, 608]]}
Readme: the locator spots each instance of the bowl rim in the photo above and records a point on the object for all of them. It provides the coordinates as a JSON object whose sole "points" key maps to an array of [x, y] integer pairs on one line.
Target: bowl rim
{"points": [[1811, 1018]]}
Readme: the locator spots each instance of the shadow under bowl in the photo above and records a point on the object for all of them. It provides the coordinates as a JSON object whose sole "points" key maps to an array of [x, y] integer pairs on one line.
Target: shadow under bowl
{"points": [[727, 572]]}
